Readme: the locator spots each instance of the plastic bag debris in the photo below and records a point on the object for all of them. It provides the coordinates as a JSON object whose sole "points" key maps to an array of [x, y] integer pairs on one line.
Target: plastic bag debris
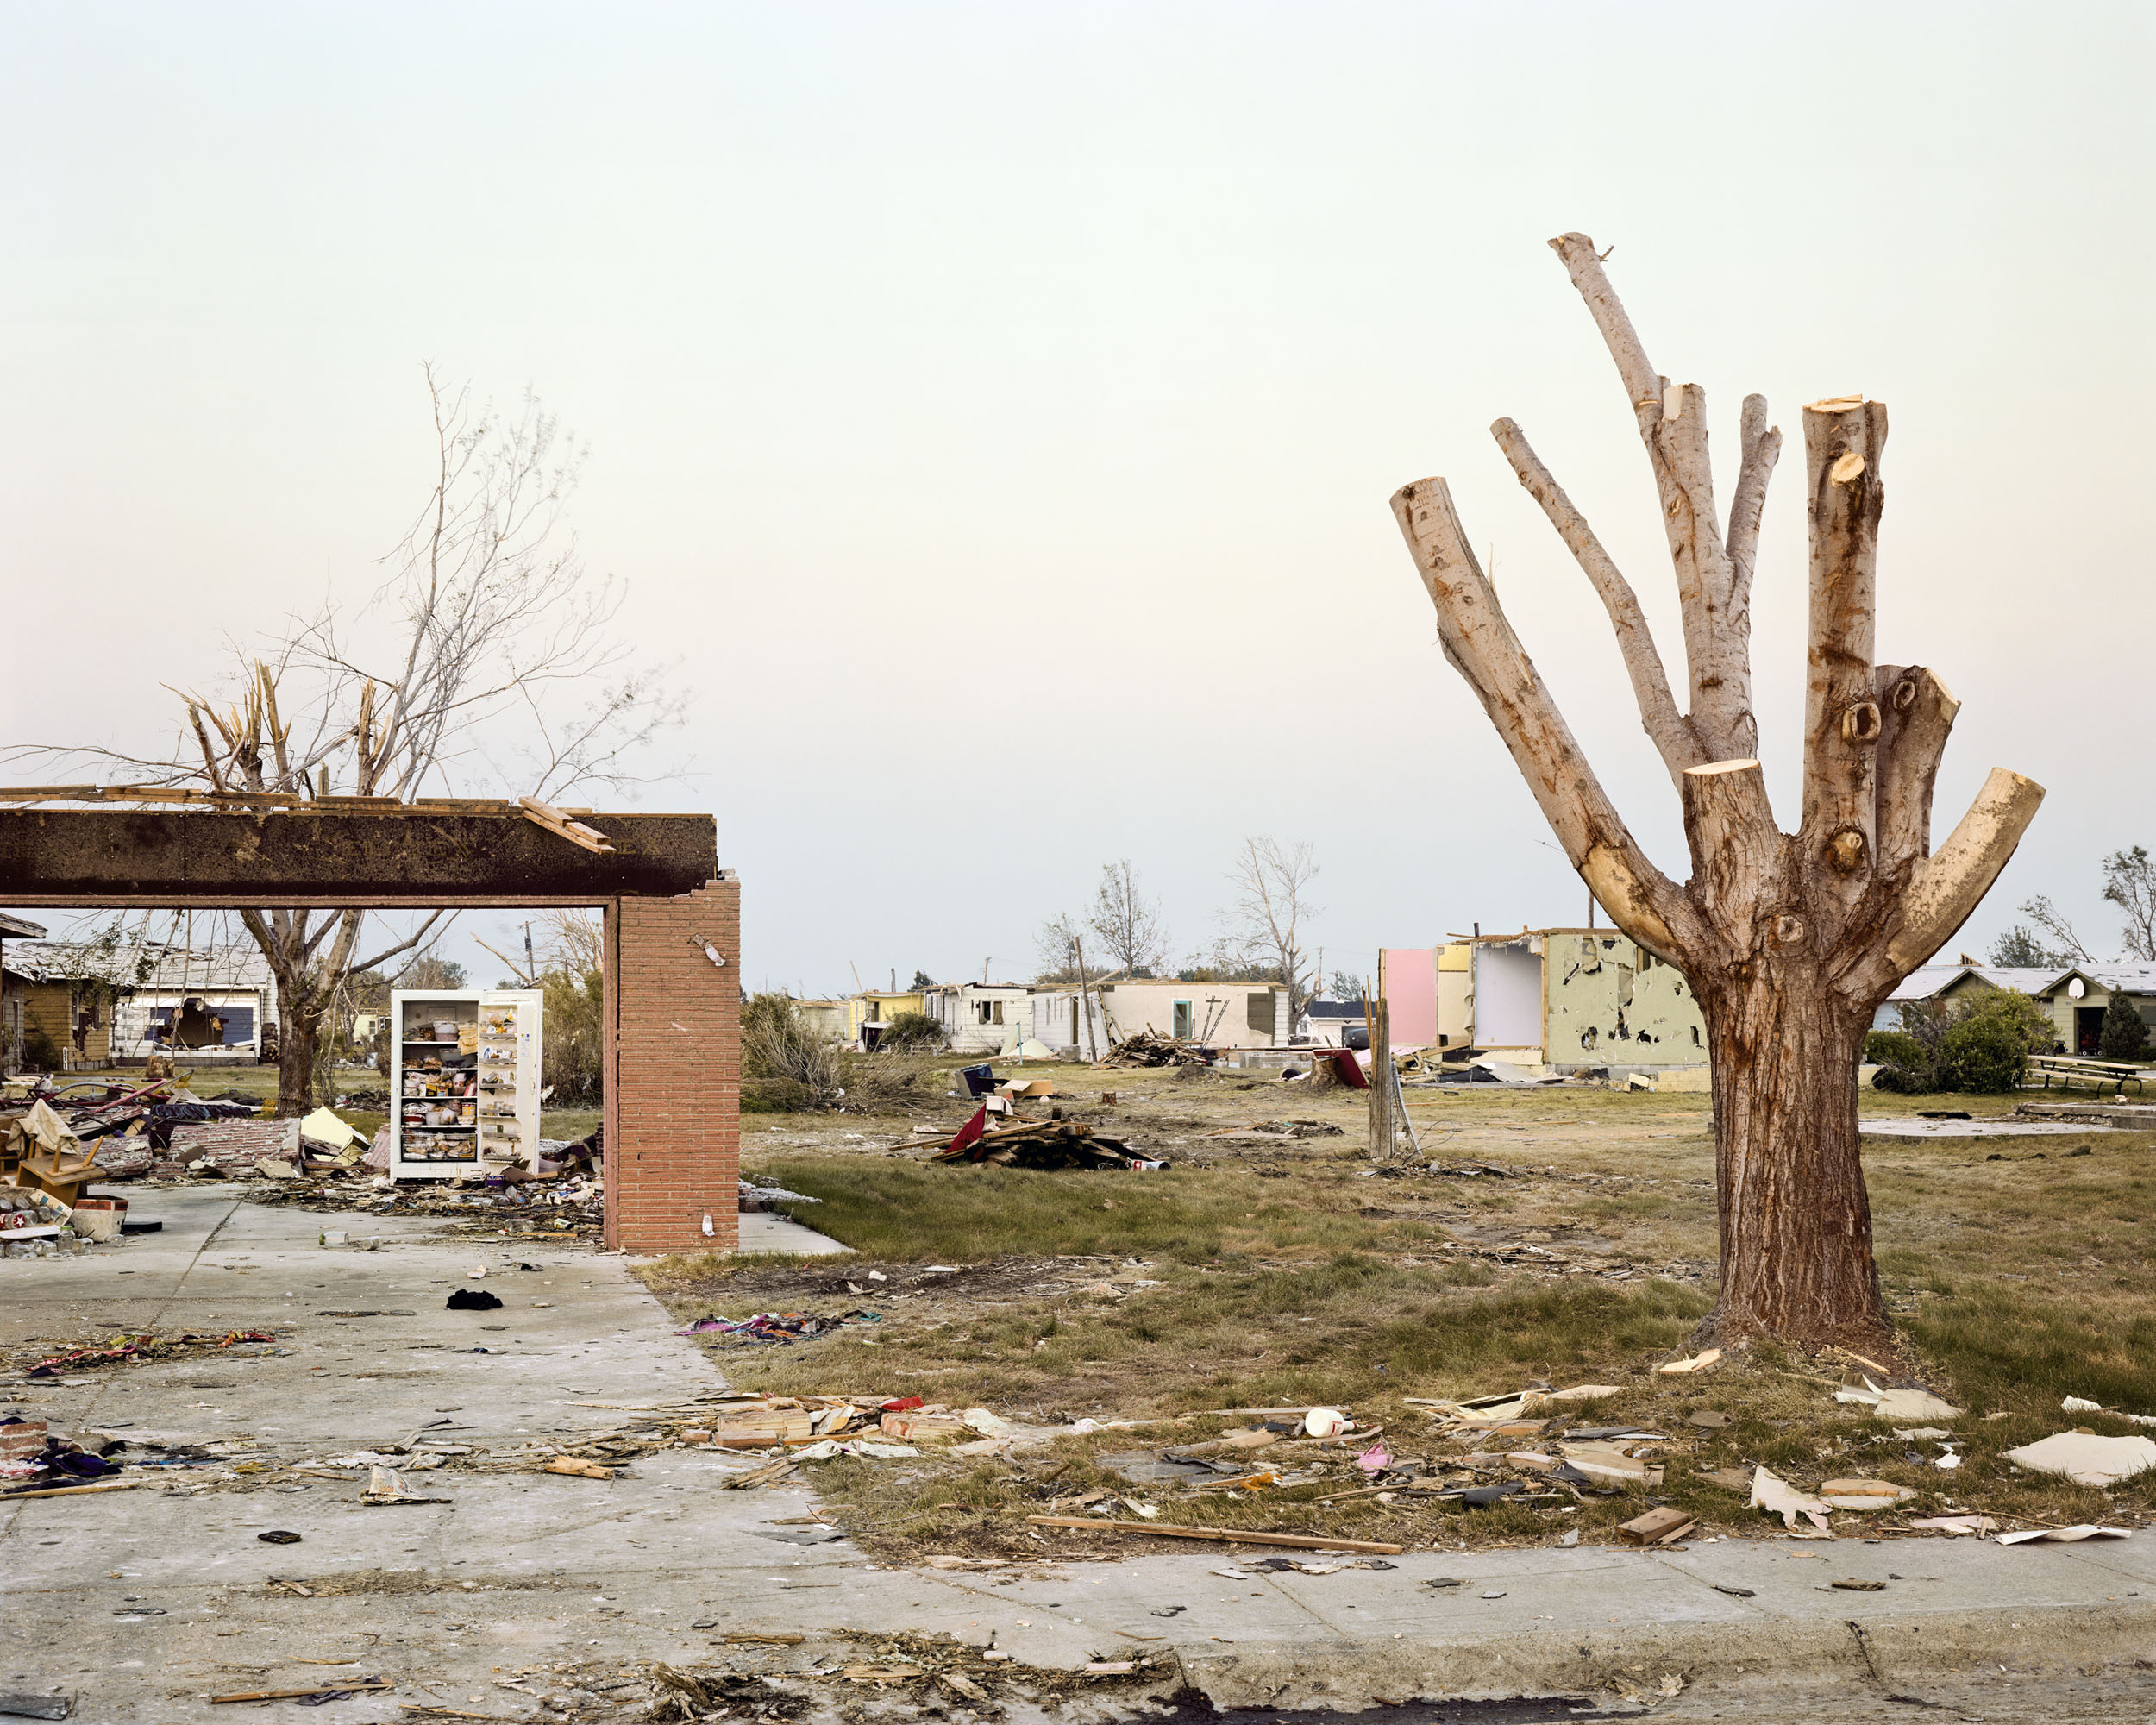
{"points": [[473, 1300]]}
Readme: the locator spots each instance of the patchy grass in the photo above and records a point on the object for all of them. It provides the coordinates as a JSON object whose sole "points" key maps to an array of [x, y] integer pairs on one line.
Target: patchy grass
{"points": [[1292, 1272]]}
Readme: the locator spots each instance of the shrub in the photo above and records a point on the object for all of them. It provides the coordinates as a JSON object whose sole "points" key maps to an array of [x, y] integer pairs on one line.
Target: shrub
{"points": [[1895, 1048], [785, 1066], [1907, 1066], [2124, 1037], [1987, 1046], [911, 1032]]}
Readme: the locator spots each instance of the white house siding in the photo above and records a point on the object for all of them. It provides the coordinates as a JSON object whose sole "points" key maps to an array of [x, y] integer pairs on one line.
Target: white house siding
{"points": [[982, 1020]]}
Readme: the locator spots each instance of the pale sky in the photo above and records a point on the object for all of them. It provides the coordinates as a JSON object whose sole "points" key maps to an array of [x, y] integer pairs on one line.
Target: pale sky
{"points": [[994, 409]]}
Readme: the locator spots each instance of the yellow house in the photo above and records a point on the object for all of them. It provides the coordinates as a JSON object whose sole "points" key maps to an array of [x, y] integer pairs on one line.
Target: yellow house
{"points": [[869, 1012]]}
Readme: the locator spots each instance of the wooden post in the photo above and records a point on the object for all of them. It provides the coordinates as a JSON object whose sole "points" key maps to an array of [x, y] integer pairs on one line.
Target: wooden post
{"points": [[1085, 1007], [1380, 1024]]}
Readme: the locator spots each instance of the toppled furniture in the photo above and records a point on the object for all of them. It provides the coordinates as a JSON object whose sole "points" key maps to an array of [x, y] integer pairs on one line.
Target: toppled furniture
{"points": [[41, 1153]]}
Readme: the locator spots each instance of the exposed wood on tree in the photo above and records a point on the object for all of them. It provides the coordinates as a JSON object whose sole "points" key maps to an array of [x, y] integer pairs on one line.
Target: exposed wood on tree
{"points": [[1789, 940]]}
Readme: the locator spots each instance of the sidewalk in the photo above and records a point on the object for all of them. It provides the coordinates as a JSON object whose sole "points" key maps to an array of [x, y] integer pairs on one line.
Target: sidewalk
{"points": [[144, 1603]]}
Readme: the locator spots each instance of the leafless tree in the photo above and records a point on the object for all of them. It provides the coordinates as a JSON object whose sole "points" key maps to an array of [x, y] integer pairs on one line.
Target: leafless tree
{"points": [[2049, 918], [1271, 909], [485, 655], [1056, 946], [2130, 882], [1129, 923], [1791, 941]]}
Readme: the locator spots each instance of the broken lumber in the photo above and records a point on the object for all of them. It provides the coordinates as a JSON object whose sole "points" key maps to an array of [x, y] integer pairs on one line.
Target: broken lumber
{"points": [[1303, 1542], [353, 1685], [555, 821], [70, 1490], [581, 1470]]}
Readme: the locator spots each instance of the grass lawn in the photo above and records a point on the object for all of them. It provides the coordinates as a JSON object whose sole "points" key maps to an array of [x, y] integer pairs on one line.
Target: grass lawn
{"points": [[1257, 1272]]}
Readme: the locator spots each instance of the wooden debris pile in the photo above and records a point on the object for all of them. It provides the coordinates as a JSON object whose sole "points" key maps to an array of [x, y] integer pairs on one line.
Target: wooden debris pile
{"points": [[1149, 1048], [1046, 1145]]}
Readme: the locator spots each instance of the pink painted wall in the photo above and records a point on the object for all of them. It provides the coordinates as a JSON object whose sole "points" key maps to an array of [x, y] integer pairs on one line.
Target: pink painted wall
{"points": [[1411, 996]]}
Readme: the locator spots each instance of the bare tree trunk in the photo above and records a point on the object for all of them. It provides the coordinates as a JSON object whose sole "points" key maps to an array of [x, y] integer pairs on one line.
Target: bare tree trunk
{"points": [[1791, 941], [298, 1046], [1796, 1224]]}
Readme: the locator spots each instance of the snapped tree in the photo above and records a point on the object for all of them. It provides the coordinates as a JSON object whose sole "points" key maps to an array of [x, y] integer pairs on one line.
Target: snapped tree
{"points": [[1789, 940]]}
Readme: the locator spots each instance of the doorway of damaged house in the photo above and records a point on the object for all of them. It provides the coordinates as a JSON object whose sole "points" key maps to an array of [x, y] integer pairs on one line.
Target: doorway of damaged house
{"points": [[671, 1010]]}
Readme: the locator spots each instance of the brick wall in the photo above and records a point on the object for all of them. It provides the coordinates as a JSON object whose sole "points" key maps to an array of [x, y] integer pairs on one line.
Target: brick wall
{"points": [[672, 1059]]}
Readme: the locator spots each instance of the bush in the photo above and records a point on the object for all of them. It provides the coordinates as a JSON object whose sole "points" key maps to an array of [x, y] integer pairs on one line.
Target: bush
{"points": [[40, 1052], [2125, 1037], [1907, 1067], [912, 1032], [1895, 1048], [1986, 1048], [785, 1066]]}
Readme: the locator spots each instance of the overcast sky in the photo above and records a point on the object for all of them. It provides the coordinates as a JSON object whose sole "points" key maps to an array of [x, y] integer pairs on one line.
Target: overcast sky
{"points": [[993, 409]]}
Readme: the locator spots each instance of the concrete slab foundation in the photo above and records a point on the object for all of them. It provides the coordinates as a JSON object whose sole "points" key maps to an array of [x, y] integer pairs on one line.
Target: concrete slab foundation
{"points": [[143, 1603]]}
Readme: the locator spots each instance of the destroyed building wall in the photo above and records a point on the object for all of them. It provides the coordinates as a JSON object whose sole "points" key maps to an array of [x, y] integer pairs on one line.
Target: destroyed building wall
{"points": [[1218, 1015], [1505, 1007], [1571, 999], [1455, 987], [981, 1018], [1610, 1003]]}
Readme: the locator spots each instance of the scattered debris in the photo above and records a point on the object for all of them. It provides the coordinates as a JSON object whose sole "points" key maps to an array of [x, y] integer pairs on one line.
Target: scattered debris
{"points": [[473, 1300], [578, 1469], [1044, 1145], [1661, 1526], [1149, 1048], [1863, 1494], [1244, 1535], [779, 1328], [2076, 1404], [1778, 1497], [1698, 1362], [1955, 1526], [2065, 1536], [2086, 1458], [1899, 1404]]}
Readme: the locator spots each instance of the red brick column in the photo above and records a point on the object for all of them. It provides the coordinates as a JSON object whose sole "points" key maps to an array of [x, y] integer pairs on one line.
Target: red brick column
{"points": [[672, 1029]]}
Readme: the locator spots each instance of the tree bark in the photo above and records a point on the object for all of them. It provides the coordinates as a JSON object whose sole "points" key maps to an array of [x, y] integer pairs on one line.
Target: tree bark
{"points": [[1796, 1225], [298, 1046]]}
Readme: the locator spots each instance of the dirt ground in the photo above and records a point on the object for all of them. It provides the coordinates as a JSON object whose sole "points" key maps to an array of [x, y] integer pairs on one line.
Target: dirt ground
{"points": [[1550, 1237]]}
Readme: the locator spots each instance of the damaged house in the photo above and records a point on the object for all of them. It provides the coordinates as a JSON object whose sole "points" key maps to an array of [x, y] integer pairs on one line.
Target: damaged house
{"points": [[1569, 1000], [217, 1004], [981, 1018], [1224, 1015]]}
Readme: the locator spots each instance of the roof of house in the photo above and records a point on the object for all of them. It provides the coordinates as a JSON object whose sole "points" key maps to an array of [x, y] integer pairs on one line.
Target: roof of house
{"points": [[1927, 980], [15, 928], [169, 969]]}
